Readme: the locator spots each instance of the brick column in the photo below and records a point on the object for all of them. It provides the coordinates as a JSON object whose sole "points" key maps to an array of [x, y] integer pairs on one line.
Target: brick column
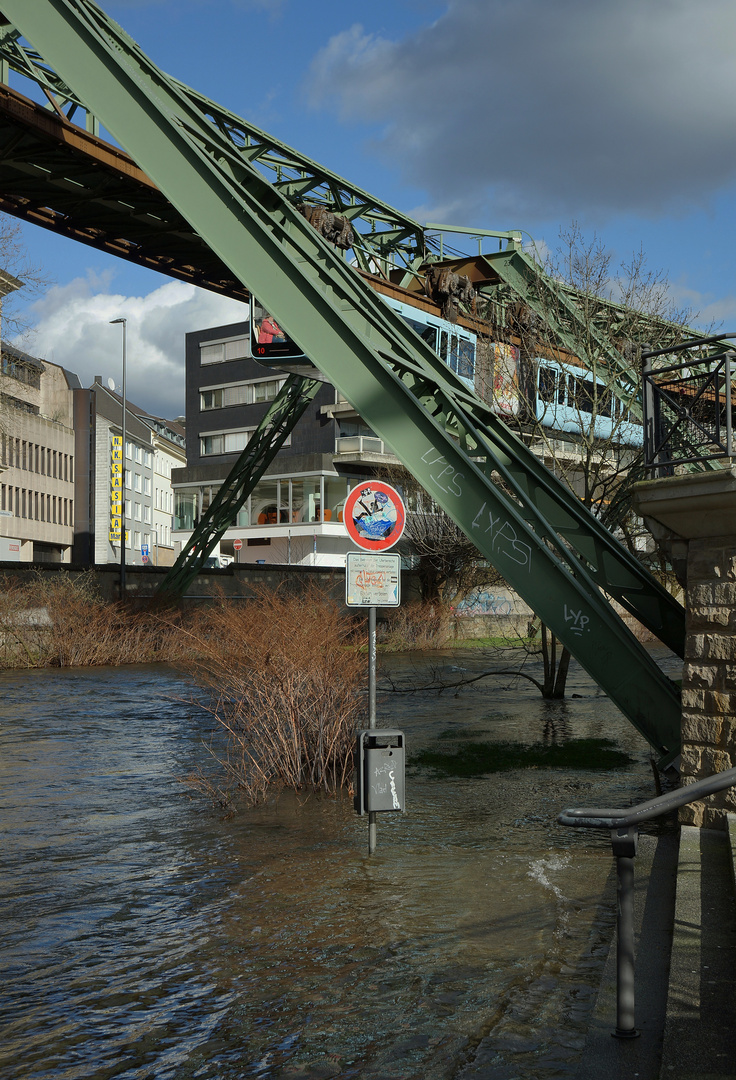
{"points": [[709, 676]]}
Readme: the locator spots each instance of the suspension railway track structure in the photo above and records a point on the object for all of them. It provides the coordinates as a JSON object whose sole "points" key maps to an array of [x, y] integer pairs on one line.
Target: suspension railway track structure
{"points": [[191, 190]]}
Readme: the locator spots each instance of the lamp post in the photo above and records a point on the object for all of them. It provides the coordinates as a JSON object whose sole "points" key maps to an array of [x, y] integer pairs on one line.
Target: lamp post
{"points": [[124, 323]]}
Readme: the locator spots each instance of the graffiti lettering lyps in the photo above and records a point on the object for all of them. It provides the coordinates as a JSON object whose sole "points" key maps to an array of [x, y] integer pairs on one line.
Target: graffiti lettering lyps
{"points": [[482, 602]]}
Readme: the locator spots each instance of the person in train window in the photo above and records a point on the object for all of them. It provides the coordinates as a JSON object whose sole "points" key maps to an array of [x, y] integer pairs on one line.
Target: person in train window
{"points": [[269, 330]]}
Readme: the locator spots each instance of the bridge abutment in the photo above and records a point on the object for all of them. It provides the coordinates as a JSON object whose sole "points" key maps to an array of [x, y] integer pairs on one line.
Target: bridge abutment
{"points": [[693, 518]]}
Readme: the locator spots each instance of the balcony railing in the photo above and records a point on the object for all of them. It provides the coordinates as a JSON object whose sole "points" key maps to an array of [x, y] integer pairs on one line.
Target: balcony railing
{"points": [[688, 406], [359, 444]]}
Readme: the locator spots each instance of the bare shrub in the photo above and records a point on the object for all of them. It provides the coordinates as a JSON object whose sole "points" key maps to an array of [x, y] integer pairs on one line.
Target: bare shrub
{"points": [[418, 626], [59, 620], [285, 674]]}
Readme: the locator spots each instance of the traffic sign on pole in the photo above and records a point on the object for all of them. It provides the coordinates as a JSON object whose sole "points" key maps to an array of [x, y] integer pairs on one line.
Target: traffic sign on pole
{"points": [[374, 516], [237, 544], [372, 580]]}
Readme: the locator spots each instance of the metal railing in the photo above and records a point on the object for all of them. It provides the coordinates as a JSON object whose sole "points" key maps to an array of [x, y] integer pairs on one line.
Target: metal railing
{"points": [[624, 829], [687, 406], [358, 444]]}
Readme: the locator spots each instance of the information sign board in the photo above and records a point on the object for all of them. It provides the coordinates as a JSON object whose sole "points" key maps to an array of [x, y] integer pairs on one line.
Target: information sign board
{"points": [[374, 516], [372, 580]]}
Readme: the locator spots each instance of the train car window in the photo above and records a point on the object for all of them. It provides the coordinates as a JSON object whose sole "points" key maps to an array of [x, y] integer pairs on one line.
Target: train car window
{"points": [[586, 395], [605, 402], [428, 333], [443, 345], [466, 359], [267, 340], [453, 352], [547, 384], [562, 389]]}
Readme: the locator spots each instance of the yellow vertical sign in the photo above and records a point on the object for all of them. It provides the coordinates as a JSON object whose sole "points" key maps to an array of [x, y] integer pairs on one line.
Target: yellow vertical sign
{"points": [[116, 489]]}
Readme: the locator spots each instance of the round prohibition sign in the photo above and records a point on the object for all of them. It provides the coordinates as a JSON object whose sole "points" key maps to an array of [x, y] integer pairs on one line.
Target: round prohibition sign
{"points": [[374, 516]]}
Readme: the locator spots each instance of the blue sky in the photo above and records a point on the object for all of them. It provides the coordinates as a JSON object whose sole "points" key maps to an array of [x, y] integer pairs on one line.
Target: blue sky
{"points": [[490, 113]]}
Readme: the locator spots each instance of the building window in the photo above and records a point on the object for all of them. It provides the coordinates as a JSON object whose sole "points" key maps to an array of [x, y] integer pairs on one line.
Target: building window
{"points": [[146, 485], [217, 352], [228, 442], [266, 391], [147, 514], [18, 369], [223, 397], [137, 509], [137, 481]]}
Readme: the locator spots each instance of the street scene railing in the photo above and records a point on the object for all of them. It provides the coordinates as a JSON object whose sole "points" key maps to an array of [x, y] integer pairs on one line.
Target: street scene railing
{"points": [[624, 829]]}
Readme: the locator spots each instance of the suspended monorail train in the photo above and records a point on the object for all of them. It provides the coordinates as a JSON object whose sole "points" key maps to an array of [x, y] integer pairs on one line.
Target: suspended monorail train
{"points": [[562, 397]]}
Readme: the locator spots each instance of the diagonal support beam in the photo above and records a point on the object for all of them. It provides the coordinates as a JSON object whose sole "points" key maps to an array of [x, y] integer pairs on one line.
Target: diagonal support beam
{"points": [[286, 409]]}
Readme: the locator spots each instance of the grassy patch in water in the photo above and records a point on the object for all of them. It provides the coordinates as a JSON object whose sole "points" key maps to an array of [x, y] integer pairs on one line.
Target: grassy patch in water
{"points": [[478, 758], [463, 733]]}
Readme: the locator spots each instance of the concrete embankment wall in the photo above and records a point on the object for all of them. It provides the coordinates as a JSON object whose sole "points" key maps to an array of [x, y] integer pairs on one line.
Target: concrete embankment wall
{"points": [[496, 613]]}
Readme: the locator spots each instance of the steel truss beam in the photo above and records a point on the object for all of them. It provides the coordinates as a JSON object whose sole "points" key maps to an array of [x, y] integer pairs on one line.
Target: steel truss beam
{"points": [[385, 371], [266, 441], [381, 230]]}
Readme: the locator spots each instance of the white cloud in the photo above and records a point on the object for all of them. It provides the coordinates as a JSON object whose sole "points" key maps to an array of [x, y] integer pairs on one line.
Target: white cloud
{"points": [[71, 328], [525, 110]]}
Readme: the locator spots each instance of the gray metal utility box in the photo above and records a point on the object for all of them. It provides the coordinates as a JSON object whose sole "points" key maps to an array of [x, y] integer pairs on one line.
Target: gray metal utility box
{"points": [[379, 769]]}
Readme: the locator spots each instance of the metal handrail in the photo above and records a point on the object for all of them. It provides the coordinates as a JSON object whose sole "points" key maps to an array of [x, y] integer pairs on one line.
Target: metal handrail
{"points": [[624, 828], [618, 819]]}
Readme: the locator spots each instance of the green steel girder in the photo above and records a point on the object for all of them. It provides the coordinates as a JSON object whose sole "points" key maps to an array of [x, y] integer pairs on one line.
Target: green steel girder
{"points": [[379, 227], [266, 441], [559, 305], [385, 370], [556, 306]]}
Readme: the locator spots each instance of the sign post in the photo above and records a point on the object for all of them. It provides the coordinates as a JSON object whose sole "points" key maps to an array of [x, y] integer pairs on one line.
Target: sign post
{"points": [[374, 516]]}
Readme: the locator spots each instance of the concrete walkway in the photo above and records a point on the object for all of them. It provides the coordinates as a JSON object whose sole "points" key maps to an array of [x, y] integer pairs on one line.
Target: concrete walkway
{"points": [[700, 1031], [685, 916]]}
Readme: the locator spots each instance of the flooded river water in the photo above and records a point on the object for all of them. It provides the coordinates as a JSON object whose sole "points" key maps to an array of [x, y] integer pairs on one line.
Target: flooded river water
{"points": [[143, 935]]}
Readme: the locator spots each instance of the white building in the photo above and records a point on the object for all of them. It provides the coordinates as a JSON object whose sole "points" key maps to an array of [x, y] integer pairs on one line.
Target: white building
{"points": [[153, 447]]}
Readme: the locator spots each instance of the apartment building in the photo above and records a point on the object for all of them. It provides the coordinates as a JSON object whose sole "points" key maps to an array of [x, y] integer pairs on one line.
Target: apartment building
{"points": [[37, 459], [130, 483], [294, 515]]}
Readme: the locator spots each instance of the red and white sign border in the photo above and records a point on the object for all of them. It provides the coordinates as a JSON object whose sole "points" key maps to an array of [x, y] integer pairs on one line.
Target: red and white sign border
{"points": [[366, 542]]}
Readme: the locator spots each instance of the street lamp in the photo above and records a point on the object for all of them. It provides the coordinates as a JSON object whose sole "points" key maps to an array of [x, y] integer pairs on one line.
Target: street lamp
{"points": [[124, 323]]}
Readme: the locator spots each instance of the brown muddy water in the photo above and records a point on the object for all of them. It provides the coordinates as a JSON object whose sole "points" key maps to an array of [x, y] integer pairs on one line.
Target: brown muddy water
{"points": [[145, 936]]}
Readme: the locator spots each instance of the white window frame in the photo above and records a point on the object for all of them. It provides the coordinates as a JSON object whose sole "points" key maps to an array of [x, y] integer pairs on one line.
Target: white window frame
{"points": [[224, 435], [249, 395], [217, 351]]}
